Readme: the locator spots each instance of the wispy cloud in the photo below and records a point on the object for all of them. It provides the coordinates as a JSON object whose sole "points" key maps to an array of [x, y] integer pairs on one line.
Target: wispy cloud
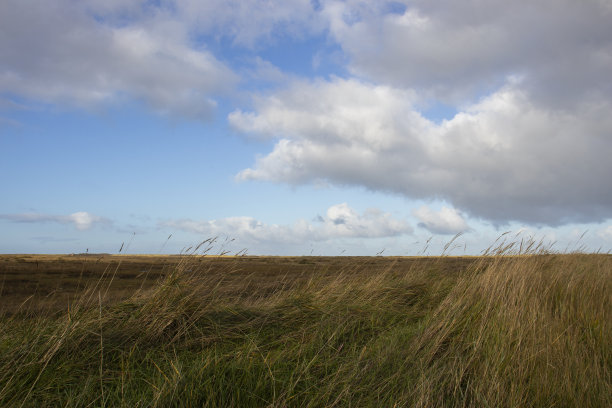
{"points": [[81, 220], [46, 240], [9, 122]]}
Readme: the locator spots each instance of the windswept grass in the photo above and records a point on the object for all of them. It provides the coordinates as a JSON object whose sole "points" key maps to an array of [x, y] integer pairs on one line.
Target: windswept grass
{"points": [[514, 329]]}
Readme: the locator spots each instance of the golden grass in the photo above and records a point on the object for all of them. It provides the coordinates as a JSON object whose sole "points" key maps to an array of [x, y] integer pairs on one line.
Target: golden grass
{"points": [[516, 328]]}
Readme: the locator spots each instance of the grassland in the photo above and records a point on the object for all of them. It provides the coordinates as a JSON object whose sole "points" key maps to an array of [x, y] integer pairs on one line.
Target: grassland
{"points": [[511, 329]]}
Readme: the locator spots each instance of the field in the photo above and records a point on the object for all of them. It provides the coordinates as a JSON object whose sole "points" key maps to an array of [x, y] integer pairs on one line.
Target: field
{"points": [[510, 329]]}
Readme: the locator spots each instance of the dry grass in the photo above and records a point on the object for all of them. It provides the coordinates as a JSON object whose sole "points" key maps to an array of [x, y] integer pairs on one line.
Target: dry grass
{"points": [[517, 328]]}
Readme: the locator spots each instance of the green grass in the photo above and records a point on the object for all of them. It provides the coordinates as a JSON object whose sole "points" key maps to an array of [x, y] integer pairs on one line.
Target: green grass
{"points": [[510, 331]]}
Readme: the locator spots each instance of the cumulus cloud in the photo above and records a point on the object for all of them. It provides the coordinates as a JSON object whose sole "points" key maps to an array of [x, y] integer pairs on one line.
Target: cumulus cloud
{"points": [[530, 80], [92, 51], [605, 233], [340, 221], [446, 221], [504, 158], [65, 52], [457, 49], [81, 220]]}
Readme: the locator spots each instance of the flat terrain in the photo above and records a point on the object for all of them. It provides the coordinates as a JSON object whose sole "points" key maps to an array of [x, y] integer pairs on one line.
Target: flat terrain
{"points": [[47, 283], [508, 330]]}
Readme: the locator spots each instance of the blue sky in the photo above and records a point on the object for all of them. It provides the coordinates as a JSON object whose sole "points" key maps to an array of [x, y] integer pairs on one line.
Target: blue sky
{"points": [[304, 127]]}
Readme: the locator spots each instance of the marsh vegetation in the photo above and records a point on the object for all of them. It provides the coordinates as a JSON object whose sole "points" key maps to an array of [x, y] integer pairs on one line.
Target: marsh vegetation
{"points": [[509, 329]]}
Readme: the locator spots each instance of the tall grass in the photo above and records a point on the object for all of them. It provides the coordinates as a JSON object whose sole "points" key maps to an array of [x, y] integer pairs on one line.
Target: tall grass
{"points": [[521, 327]]}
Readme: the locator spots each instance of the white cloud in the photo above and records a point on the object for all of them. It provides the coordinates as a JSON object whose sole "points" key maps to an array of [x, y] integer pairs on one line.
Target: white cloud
{"points": [[530, 80], [446, 221], [343, 221], [81, 220], [340, 221], [504, 158], [96, 51], [454, 50], [61, 52], [606, 233]]}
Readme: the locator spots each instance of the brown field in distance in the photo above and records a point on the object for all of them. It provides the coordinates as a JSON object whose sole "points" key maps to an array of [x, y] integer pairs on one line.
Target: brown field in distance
{"points": [[518, 328], [48, 283]]}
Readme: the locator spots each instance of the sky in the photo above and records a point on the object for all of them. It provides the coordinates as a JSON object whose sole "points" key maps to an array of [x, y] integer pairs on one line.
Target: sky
{"points": [[302, 127]]}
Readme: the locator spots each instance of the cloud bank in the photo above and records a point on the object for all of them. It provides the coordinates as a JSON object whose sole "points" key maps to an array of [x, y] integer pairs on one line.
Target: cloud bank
{"points": [[453, 50], [340, 221], [529, 80], [504, 158], [84, 54], [92, 52]]}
